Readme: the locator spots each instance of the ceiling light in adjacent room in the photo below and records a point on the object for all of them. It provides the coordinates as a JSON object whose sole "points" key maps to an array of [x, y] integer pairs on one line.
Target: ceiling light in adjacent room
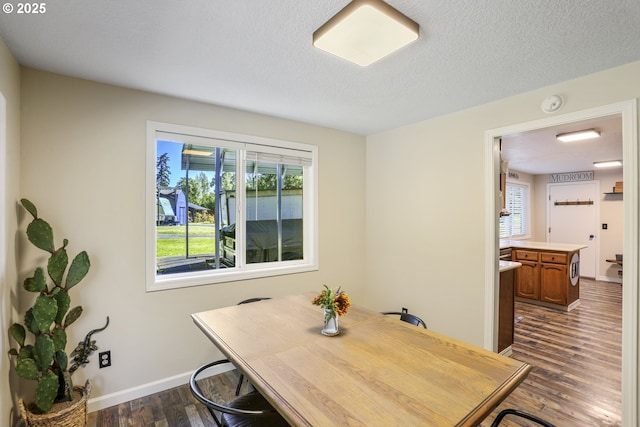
{"points": [[608, 164], [365, 31], [578, 136]]}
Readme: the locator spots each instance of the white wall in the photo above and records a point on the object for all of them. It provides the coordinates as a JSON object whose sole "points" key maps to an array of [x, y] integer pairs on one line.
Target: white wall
{"points": [[83, 157], [612, 214], [426, 211], [9, 191]]}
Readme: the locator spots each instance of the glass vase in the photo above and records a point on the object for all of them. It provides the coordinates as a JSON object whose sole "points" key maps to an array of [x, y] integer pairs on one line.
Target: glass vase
{"points": [[330, 324]]}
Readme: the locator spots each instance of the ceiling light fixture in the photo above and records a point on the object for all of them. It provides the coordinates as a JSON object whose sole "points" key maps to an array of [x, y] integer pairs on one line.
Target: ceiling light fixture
{"points": [[608, 164], [578, 136], [365, 31]]}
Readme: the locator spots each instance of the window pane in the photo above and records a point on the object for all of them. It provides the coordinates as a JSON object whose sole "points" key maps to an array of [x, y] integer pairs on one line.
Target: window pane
{"points": [[203, 229], [186, 206], [274, 211]]}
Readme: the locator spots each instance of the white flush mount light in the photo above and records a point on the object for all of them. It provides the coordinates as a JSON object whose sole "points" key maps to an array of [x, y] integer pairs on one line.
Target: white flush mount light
{"points": [[365, 31], [608, 164], [578, 136]]}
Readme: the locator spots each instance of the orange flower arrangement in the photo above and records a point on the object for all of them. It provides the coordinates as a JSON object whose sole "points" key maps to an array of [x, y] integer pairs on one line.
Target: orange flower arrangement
{"points": [[337, 300]]}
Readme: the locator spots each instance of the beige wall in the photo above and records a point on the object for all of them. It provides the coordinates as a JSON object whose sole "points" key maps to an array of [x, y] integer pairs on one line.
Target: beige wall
{"points": [[83, 148], [425, 202], [9, 193], [540, 210]]}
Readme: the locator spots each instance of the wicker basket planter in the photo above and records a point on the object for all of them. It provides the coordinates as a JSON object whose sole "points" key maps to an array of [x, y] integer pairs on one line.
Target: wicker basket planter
{"points": [[64, 414]]}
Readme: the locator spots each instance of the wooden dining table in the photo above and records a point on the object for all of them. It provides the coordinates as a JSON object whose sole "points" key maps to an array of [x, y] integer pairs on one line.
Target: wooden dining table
{"points": [[377, 371]]}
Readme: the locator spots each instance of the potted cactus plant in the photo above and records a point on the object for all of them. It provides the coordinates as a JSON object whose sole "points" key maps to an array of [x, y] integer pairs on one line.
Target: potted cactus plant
{"points": [[43, 358]]}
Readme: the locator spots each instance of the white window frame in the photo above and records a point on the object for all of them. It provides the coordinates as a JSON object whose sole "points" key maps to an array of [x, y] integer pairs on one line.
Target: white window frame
{"points": [[242, 271], [526, 186]]}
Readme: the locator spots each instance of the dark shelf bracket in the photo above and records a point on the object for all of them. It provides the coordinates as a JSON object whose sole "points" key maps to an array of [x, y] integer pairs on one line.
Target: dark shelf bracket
{"points": [[574, 203]]}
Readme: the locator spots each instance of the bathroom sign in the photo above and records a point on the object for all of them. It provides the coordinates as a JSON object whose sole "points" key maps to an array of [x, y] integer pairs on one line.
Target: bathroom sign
{"points": [[571, 176]]}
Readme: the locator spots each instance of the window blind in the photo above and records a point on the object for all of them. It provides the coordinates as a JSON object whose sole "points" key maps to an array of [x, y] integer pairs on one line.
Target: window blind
{"points": [[516, 202]]}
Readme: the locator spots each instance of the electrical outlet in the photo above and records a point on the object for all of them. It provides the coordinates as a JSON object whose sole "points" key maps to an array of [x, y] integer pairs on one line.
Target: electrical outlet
{"points": [[405, 310], [104, 358]]}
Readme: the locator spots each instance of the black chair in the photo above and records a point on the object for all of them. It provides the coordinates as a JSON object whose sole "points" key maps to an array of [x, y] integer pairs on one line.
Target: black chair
{"points": [[248, 410], [406, 317], [520, 414], [247, 301]]}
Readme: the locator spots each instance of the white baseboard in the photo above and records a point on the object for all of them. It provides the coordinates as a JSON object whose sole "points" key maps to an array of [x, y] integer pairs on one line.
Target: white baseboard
{"points": [[610, 279], [507, 351], [108, 400]]}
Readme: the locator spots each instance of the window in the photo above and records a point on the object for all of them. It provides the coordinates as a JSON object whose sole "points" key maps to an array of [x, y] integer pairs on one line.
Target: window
{"points": [[517, 203], [224, 207]]}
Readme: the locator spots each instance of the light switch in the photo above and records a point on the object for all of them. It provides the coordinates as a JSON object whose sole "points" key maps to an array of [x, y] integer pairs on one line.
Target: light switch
{"points": [[604, 226]]}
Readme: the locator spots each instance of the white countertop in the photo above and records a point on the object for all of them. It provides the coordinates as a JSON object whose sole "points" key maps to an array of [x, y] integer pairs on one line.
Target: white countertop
{"points": [[528, 244], [508, 265]]}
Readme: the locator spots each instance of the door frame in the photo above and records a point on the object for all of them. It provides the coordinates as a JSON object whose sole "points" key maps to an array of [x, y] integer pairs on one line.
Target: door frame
{"points": [[628, 111], [596, 202]]}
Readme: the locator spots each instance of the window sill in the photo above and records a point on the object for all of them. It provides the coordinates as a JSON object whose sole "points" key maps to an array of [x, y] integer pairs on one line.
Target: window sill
{"points": [[185, 280]]}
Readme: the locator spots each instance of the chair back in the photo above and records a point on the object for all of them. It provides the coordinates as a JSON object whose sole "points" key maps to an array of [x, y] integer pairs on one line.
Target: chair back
{"points": [[520, 414], [407, 317], [250, 300], [251, 409], [247, 301]]}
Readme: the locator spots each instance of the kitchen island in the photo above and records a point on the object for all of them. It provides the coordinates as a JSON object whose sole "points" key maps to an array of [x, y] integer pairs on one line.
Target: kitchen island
{"points": [[549, 275]]}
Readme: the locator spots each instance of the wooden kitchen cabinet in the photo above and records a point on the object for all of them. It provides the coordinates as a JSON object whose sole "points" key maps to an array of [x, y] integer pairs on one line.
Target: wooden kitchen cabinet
{"points": [[545, 277], [553, 283], [528, 280], [506, 312], [528, 276]]}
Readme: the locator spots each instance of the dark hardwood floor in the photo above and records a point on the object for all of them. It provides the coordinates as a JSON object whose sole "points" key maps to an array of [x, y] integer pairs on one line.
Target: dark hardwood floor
{"points": [[575, 380], [576, 358]]}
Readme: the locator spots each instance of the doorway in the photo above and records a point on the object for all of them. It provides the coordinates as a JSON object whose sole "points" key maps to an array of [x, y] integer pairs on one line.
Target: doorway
{"points": [[628, 112]]}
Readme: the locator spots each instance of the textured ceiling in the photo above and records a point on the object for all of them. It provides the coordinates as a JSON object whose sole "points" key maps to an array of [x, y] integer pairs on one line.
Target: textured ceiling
{"points": [[539, 152], [257, 55]]}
